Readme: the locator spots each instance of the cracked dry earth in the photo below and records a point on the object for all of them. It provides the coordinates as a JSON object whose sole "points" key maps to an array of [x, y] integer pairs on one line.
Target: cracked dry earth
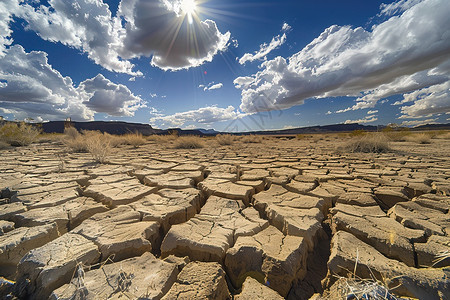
{"points": [[274, 220]]}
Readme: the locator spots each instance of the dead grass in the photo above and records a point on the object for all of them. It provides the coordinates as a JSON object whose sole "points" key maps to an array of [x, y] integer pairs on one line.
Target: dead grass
{"points": [[356, 288], [134, 139], [188, 142], [97, 144], [420, 138], [225, 139], [4, 145], [251, 139], [71, 132], [18, 134], [368, 143]]}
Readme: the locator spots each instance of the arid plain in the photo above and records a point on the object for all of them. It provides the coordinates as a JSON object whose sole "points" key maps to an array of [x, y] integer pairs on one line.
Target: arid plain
{"points": [[238, 217]]}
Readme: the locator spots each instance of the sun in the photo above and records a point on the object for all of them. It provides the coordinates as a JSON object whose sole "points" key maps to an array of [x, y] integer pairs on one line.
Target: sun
{"points": [[188, 8]]}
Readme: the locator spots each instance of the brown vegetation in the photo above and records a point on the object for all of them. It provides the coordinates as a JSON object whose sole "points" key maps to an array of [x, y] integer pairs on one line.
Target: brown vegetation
{"points": [[18, 134], [251, 138], [368, 143], [225, 139], [189, 142]]}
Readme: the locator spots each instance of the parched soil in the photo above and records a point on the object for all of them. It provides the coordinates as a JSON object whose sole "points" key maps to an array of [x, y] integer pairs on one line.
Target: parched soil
{"points": [[272, 220]]}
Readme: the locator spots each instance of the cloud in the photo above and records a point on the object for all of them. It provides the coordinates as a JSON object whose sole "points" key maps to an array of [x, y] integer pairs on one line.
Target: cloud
{"points": [[344, 61], [159, 28], [7, 9], [286, 27], [85, 25], [371, 112], [211, 86], [328, 112], [204, 115], [265, 48], [151, 28], [397, 7], [32, 88], [107, 97], [419, 122], [367, 119], [426, 102]]}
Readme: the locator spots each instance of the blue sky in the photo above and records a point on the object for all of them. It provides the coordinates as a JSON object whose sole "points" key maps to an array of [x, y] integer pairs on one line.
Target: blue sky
{"points": [[229, 65]]}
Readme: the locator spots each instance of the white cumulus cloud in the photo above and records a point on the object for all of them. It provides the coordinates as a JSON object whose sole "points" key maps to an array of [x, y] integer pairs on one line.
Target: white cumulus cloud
{"points": [[211, 86], [204, 115], [105, 96], [400, 55], [265, 48], [419, 122], [150, 28], [367, 119], [32, 88], [158, 28], [426, 102]]}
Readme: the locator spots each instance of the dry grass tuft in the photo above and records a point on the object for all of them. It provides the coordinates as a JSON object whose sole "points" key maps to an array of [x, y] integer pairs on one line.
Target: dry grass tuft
{"points": [[18, 134], [420, 138], [358, 132], [94, 142], [134, 139], [225, 139], [188, 142], [368, 143], [71, 132], [251, 139], [356, 288], [4, 145]]}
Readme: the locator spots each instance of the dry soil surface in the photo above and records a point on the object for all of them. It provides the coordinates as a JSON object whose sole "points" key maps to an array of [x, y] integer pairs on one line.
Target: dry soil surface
{"points": [[278, 219]]}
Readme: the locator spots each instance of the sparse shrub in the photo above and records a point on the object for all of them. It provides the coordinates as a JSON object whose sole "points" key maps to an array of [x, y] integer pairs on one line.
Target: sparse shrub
{"points": [[94, 142], [252, 139], [71, 132], [368, 143], [358, 132], [188, 142], [225, 139], [99, 146], [18, 134], [4, 145], [134, 139], [421, 138]]}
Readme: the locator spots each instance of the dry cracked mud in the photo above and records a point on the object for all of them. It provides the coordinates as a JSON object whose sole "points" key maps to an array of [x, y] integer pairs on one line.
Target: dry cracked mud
{"points": [[281, 219]]}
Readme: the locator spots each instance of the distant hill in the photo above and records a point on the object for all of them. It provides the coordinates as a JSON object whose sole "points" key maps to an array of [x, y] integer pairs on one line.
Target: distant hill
{"points": [[207, 131], [115, 127], [109, 127], [432, 127], [319, 129]]}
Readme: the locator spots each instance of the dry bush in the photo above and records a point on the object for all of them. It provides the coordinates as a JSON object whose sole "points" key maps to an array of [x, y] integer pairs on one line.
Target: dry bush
{"points": [[71, 132], [251, 139], [398, 136], [4, 145], [225, 139], [358, 132], [99, 146], [420, 138], [188, 142], [368, 143], [94, 142], [443, 135], [77, 144], [134, 139], [18, 134]]}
